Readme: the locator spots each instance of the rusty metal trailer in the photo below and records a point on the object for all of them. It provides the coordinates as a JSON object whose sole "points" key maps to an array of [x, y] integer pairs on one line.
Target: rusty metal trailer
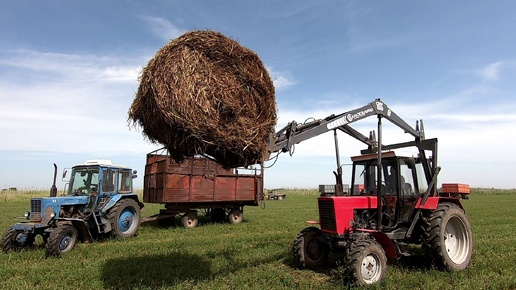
{"points": [[199, 183]]}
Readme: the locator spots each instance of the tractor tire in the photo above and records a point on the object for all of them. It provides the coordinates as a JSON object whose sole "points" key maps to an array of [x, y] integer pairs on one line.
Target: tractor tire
{"points": [[236, 216], [16, 240], [189, 220], [366, 262], [218, 215], [309, 250], [125, 218], [61, 240], [447, 237]]}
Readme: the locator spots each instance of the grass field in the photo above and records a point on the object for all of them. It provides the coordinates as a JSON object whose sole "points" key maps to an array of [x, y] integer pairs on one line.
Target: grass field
{"points": [[253, 255]]}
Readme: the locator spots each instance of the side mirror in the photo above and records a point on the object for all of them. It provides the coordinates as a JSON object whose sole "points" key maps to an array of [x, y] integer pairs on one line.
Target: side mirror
{"points": [[64, 173]]}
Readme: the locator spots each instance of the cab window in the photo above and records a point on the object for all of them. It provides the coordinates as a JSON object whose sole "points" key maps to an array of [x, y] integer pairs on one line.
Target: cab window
{"points": [[124, 181], [108, 180]]}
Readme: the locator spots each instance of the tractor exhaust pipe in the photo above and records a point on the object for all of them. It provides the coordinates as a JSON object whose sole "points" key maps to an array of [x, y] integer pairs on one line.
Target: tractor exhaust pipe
{"points": [[53, 189], [379, 177]]}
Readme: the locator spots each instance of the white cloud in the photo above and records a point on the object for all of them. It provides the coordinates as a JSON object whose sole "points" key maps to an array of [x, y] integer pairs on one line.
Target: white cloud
{"points": [[69, 67], [491, 71], [163, 28], [67, 103], [281, 80], [462, 133]]}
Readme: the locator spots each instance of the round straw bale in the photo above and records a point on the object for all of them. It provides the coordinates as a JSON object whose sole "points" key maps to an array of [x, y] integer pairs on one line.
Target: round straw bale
{"points": [[203, 93]]}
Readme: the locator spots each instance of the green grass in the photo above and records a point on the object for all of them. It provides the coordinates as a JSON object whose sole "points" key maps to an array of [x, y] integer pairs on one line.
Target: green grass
{"points": [[253, 255]]}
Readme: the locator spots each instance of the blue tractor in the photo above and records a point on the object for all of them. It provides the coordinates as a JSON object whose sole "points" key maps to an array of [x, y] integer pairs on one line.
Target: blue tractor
{"points": [[98, 201]]}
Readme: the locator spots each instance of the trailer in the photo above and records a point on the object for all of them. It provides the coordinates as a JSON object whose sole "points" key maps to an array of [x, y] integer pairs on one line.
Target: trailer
{"points": [[276, 194], [199, 184]]}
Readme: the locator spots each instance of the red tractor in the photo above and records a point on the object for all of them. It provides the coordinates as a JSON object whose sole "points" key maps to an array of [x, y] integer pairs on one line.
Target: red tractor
{"points": [[393, 201]]}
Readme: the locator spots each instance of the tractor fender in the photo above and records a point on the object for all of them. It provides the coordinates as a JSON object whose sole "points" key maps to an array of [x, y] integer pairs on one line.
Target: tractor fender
{"points": [[451, 200], [385, 242], [116, 198]]}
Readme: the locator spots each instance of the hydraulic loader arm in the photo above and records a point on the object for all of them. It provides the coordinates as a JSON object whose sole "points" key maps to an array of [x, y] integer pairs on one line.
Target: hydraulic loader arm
{"points": [[295, 133]]}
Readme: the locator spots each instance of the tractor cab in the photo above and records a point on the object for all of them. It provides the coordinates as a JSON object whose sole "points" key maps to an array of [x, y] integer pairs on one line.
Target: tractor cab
{"points": [[99, 180], [402, 181]]}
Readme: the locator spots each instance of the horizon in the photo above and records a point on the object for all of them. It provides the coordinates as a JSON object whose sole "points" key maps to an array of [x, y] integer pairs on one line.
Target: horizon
{"points": [[69, 72]]}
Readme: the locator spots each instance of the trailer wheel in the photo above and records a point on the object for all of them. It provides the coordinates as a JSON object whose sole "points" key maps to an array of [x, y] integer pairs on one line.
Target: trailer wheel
{"points": [[218, 215], [366, 262], [125, 218], [236, 216], [309, 250], [16, 240], [189, 219], [447, 237], [61, 240]]}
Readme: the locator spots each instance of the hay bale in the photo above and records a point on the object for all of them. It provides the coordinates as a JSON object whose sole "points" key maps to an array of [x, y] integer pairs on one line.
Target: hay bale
{"points": [[203, 93]]}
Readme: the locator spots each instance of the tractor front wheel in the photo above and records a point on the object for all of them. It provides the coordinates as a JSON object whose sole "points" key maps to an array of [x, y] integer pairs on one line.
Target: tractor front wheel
{"points": [[61, 240], [125, 218], [309, 250], [366, 262], [447, 237], [16, 240]]}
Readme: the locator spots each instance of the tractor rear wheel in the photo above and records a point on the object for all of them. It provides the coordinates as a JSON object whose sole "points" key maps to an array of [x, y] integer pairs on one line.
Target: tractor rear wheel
{"points": [[125, 218], [236, 216], [309, 250], [366, 262], [447, 237], [61, 240], [16, 240], [189, 219]]}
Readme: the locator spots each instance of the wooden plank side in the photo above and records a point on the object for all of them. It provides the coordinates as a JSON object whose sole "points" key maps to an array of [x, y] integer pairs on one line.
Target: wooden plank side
{"points": [[152, 163], [147, 196], [202, 189], [196, 180], [162, 166], [148, 169], [245, 188], [174, 195], [158, 180], [158, 195], [149, 192], [154, 195], [177, 188], [184, 167], [225, 189]]}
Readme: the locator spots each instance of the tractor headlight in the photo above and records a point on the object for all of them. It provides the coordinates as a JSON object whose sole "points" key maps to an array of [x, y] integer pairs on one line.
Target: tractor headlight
{"points": [[52, 215], [27, 215]]}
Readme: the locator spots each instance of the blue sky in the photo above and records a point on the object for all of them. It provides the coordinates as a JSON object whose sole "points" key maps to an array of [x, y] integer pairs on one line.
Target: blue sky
{"points": [[69, 72]]}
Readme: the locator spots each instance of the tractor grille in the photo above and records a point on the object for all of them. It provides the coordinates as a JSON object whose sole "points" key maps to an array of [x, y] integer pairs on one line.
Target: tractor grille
{"points": [[327, 215], [35, 210]]}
